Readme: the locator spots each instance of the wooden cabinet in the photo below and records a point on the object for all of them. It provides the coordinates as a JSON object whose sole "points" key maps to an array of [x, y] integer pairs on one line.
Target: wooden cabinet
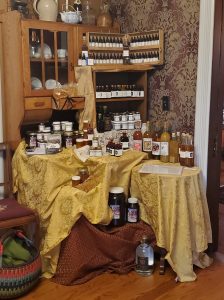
{"points": [[37, 57], [123, 75]]}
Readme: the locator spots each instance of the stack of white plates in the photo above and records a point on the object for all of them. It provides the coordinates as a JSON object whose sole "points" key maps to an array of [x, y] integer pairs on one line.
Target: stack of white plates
{"points": [[36, 84]]}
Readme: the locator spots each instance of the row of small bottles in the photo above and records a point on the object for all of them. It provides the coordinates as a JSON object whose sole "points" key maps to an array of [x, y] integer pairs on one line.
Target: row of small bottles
{"points": [[117, 58], [149, 39], [108, 41], [144, 57], [111, 41], [118, 91]]}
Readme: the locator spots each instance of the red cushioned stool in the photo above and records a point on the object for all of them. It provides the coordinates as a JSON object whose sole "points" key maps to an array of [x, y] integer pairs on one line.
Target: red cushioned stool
{"points": [[13, 214]]}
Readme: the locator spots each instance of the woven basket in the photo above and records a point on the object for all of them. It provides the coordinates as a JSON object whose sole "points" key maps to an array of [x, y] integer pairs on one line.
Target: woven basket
{"points": [[16, 281]]}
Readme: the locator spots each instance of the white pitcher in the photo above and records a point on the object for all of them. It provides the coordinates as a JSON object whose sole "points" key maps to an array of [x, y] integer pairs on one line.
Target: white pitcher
{"points": [[46, 9]]}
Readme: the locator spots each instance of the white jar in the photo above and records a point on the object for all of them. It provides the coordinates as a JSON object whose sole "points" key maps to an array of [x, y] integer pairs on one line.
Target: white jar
{"points": [[116, 125], [124, 125], [131, 125]]}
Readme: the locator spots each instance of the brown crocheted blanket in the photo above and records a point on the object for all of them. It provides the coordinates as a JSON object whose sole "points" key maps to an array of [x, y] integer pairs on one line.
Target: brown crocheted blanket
{"points": [[90, 250]]}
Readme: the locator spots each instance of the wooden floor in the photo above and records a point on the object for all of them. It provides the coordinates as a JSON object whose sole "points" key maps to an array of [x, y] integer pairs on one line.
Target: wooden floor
{"points": [[209, 285]]}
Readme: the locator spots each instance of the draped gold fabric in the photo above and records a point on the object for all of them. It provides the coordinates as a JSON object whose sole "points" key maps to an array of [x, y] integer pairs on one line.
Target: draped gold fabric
{"points": [[176, 208], [84, 79], [43, 183]]}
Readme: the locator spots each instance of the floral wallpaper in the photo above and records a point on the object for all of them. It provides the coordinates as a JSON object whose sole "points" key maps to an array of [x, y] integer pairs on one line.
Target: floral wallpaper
{"points": [[177, 77]]}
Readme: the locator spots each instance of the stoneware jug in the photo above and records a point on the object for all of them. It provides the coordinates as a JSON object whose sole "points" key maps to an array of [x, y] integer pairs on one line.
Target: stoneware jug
{"points": [[46, 9]]}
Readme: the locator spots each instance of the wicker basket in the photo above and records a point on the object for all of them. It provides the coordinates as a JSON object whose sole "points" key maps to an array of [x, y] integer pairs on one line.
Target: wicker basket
{"points": [[16, 281]]}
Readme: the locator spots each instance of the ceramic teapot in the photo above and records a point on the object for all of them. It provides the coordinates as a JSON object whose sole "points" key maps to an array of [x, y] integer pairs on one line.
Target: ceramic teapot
{"points": [[70, 17], [46, 9]]}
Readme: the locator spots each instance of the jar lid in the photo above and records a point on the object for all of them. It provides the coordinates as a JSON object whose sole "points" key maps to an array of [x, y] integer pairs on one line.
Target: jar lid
{"points": [[76, 177], [132, 200], [116, 190]]}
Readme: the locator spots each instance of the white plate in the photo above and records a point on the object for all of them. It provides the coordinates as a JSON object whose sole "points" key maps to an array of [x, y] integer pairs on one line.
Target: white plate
{"points": [[46, 51], [36, 83], [52, 84]]}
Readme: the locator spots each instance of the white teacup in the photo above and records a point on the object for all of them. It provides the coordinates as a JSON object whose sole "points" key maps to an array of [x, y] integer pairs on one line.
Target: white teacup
{"points": [[62, 53]]}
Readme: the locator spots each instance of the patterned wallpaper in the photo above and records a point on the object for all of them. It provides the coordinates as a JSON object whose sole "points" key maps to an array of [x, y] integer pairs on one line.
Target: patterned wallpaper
{"points": [[177, 78]]}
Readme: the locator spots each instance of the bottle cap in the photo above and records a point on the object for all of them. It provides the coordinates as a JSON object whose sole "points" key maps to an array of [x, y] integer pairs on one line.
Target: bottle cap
{"points": [[116, 190], [132, 200]]}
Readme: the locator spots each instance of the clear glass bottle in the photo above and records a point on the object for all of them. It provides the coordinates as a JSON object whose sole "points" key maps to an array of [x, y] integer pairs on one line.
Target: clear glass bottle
{"points": [[156, 142], [174, 149], [144, 258]]}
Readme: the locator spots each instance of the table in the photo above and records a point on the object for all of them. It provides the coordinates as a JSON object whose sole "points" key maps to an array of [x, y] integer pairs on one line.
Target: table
{"points": [[43, 183], [176, 208]]}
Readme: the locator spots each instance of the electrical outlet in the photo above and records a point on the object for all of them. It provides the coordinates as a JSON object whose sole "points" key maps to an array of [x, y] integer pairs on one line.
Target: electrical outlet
{"points": [[166, 103]]}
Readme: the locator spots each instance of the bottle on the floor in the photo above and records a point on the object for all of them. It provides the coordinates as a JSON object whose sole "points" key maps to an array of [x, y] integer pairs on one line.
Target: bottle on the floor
{"points": [[144, 258]]}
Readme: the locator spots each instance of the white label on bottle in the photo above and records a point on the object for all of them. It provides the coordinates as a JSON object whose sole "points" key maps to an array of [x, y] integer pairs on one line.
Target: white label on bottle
{"points": [[116, 211], [98, 95], [125, 145], [113, 94], [155, 148], [90, 62], [189, 154], [182, 154], [111, 151], [128, 93], [90, 136], [137, 145], [118, 152], [125, 53], [147, 144], [104, 95], [108, 94], [68, 142], [142, 93], [164, 148], [132, 215], [79, 62]]}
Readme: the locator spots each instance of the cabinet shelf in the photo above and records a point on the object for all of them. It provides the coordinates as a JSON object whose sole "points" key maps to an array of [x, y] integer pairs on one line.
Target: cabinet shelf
{"points": [[120, 99], [106, 49], [148, 48], [51, 60], [122, 68]]}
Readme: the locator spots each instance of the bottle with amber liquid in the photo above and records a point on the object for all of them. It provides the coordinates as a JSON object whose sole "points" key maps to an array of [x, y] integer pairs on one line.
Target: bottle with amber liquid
{"points": [[174, 149], [137, 139], [183, 149], [147, 140], [189, 152], [156, 144], [165, 141]]}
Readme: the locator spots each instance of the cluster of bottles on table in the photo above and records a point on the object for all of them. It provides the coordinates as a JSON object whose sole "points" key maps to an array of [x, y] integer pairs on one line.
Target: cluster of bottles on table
{"points": [[63, 133], [171, 147], [129, 212], [119, 91], [112, 41], [117, 121]]}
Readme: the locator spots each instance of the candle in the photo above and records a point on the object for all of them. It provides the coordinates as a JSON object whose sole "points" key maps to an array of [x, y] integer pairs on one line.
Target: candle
{"points": [[66, 5]]}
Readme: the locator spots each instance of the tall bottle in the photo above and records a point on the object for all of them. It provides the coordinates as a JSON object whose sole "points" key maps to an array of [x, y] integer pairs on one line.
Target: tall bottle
{"points": [[165, 140], [147, 140], [156, 144], [174, 149], [84, 48], [137, 139], [189, 153], [126, 52], [144, 258]]}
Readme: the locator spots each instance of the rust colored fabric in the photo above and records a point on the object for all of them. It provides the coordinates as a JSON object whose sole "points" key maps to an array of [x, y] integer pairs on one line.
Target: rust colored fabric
{"points": [[90, 250]]}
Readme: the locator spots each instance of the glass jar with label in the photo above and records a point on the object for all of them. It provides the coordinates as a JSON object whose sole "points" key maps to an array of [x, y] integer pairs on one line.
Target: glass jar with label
{"points": [[84, 174], [31, 139], [133, 210], [67, 139], [124, 139], [117, 204]]}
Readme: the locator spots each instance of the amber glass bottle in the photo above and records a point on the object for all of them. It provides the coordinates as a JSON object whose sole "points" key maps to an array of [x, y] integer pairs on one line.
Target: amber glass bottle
{"points": [[147, 140], [174, 149], [165, 140]]}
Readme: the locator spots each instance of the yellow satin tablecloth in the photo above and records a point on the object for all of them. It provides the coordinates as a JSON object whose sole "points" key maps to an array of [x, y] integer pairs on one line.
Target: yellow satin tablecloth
{"points": [[176, 208], [43, 183]]}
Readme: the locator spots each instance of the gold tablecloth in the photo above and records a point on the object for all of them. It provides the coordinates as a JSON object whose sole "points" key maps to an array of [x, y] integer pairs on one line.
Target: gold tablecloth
{"points": [[43, 183], [176, 208]]}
